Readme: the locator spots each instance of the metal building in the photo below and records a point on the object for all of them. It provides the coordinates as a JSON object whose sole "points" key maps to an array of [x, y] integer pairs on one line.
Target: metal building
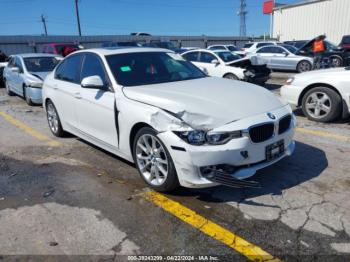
{"points": [[307, 19]]}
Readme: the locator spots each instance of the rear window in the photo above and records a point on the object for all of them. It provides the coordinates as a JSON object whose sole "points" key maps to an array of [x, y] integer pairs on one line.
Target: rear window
{"points": [[346, 40]]}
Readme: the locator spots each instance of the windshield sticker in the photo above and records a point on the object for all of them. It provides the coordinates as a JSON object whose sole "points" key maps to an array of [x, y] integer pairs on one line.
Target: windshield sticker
{"points": [[125, 68]]}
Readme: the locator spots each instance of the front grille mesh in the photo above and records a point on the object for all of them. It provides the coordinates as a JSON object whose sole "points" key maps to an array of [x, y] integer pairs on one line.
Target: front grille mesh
{"points": [[262, 132], [284, 124]]}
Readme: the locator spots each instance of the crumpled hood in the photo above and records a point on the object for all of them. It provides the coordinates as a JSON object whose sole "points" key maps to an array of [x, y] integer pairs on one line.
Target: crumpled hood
{"points": [[40, 75], [207, 102]]}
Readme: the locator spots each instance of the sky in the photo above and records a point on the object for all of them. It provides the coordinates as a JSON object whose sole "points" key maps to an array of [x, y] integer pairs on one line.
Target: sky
{"points": [[158, 17]]}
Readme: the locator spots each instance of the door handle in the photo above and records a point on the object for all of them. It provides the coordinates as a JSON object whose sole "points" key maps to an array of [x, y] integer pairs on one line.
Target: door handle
{"points": [[77, 95]]}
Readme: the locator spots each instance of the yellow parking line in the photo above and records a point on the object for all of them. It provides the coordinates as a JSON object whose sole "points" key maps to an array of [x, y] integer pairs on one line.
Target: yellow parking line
{"points": [[323, 134], [29, 130], [249, 250]]}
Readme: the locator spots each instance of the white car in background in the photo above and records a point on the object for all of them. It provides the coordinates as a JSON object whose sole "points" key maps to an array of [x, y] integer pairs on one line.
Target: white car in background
{"points": [[283, 57], [179, 126], [323, 95], [227, 65], [232, 48], [25, 73], [252, 46]]}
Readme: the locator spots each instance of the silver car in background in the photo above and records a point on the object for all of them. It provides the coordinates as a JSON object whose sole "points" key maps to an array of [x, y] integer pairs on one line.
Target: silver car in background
{"points": [[25, 73], [283, 57]]}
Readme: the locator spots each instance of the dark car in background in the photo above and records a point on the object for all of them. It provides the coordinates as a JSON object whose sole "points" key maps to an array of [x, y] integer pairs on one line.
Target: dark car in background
{"points": [[345, 42], [337, 56], [166, 45], [121, 44], [62, 49]]}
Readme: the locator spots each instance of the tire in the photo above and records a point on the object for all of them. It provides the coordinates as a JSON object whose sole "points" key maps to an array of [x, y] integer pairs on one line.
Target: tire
{"points": [[8, 91], [163, 178], [315, 102], [304, 66], [336, 61], [231, 76], [27, 98], [53, 120]]}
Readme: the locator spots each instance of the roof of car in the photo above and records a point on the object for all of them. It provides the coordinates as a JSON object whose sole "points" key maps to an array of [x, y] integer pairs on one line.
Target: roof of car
{"points": [[122, 50], [36, 55]]}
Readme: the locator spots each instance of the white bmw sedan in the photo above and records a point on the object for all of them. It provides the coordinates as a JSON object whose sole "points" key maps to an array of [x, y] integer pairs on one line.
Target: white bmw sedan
{"points": [[179, 126]]}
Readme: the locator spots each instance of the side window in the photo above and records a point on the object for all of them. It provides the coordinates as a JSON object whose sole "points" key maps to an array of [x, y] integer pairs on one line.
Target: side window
{"points": [[18, 64], [193, 56], [69, 69], [11, 62], [264, 50], [92, 66], [262, 44], [206, 57], [277, 50]]}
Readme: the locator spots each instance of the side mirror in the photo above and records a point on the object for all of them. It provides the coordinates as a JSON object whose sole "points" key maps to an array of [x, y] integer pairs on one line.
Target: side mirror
{"points": [[15, 69], [285, 53], [215, 62], [92, 82]]}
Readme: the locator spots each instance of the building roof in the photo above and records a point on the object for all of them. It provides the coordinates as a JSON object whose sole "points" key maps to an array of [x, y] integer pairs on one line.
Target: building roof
{"points": [[305, 2]]}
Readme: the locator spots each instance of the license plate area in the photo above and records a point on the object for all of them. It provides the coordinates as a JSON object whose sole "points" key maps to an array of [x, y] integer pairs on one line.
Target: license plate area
{"points": [[275, 150]]}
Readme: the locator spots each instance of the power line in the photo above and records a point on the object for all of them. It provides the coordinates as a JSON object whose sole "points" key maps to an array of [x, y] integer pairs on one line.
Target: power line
{"points": [[43, 20]]}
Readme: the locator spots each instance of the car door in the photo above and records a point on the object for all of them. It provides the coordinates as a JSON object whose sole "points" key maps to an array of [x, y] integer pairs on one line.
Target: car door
{"points": [[282, 59], [205, 63], [65, 89], [17, 77], [96, 106]]}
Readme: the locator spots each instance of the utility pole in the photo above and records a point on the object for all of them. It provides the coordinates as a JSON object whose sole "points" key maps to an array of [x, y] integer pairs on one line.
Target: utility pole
{"points": [[242, 15], [43, 20], [77, 14]]}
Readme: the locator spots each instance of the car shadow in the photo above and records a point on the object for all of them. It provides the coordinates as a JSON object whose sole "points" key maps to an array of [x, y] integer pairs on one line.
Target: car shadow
{"points": [[306, 163], [299, 112]]}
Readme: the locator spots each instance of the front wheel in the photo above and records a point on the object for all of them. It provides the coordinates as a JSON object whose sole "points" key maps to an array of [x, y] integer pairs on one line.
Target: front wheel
{"points": [[304, 66], [54, 120], [231, 76], [153, 161], [322, 104]]}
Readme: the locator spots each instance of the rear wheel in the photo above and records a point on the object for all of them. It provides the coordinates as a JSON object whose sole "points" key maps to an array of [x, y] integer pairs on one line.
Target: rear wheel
{"points": [[322, 104], [153, 161], [336, 61], [231, 76], [54, 120], [26, 97], [304, 66], [8, 91]]}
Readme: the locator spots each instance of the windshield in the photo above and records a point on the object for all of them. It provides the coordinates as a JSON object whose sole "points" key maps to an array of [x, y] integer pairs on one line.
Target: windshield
{"points": [[232, 48], [40, 64], [290, 48], [227, 56], [145, 68], [247, 45]]}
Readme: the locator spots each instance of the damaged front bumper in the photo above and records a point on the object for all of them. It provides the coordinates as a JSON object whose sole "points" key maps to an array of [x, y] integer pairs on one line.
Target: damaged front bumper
{"points": [[229, 164]]}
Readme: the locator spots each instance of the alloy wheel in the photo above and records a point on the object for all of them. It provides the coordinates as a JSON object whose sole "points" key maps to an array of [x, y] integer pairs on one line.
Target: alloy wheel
{"points": [[304, 66], [52, 118], [152, 160], [318, 104]]}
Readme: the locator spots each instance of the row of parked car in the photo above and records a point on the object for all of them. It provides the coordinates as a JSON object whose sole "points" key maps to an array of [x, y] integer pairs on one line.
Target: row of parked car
{"points": [[156, 108]]}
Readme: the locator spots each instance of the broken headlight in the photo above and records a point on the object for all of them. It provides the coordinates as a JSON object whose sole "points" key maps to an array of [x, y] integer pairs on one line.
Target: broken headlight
{"points": [[199, 137]]}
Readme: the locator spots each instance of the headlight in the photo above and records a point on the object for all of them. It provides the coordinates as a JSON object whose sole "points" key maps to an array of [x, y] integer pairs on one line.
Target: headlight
{"points": [[35, 84], [199, 137], [289, 81]]}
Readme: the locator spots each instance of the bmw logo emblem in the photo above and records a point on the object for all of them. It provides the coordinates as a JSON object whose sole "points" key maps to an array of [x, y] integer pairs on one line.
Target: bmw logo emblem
{"points": [[272, 116]]}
